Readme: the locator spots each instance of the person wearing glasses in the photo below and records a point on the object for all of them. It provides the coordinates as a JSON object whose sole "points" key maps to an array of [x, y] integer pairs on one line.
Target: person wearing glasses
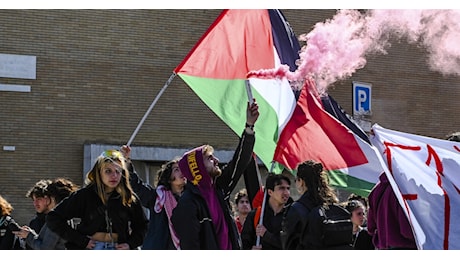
{"points": [[361, 238], [111, 214], [160, 201], [203, 218]]}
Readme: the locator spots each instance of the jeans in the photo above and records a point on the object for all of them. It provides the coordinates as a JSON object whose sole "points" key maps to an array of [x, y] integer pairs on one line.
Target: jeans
{"points": [[104, 246]]}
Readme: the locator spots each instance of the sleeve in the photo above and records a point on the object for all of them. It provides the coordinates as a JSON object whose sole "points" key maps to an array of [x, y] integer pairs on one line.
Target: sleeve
{"points": [[248, 234], [232, 171], [313, 238], [139, 225], [251, 181], [291, 228], [67, 209], [7, 241], [271, 239], [145, 192], [186, 222], [371, 213], [45, 240], [404, 224]]}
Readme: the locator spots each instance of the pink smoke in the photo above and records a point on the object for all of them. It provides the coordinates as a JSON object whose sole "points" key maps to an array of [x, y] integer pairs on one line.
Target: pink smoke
{"points": [[338, 47]]}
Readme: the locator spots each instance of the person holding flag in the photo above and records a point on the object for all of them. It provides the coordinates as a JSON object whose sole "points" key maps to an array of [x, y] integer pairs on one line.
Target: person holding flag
{"points": [[202, 218], [265, 222]]}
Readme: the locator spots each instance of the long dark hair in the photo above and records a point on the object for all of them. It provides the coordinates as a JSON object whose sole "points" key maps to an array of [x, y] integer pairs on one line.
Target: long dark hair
{"points": [[61, 188], [317, 182], [164, 173]]}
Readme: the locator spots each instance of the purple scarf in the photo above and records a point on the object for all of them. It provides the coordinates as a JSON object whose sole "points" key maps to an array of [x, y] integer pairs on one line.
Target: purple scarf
{"points": [[192, 167]]}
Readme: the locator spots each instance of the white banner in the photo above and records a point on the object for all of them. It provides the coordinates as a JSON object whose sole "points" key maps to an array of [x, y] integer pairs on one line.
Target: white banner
{"points": [[426, 172]]}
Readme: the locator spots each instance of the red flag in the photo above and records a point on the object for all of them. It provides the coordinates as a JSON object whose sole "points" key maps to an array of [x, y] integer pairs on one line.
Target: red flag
{"points": [[314, 134]]}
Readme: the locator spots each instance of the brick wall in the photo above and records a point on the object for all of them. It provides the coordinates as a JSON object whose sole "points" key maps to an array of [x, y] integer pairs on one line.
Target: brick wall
{"points": [[98, 71]]}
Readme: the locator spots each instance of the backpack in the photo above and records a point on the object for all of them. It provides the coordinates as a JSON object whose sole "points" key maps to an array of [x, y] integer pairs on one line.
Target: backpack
{"points": [[337, 228]]}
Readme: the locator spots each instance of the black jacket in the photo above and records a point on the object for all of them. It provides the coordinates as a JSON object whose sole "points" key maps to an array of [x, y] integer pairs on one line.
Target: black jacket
{"points": [[36, 224], [294, 222], [129, 223], [8, 240], [302, 230], [191, 218], [273, 223], [158, 235], [362, 240]]}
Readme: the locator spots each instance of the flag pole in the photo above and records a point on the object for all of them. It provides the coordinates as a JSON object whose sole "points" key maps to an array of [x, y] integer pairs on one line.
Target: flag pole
{"points": [[259, 177], [261, 220], [151, 107]]}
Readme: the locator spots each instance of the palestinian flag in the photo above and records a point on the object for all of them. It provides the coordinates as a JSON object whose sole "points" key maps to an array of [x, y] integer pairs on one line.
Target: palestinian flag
{"points": [[237, 42], [242, 41], [312, 133]]}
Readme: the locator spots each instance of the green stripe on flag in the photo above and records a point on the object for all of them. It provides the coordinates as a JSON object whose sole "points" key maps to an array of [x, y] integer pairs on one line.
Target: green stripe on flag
{"points": [[228, 100], [345, 181]]}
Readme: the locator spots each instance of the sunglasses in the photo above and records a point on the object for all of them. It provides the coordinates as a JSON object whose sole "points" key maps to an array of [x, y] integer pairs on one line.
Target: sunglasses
{"points": [[112, 154]]}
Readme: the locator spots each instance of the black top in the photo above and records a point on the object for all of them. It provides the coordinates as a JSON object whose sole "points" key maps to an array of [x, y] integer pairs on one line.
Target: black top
{"points": [[129, 223], [191, 218]]}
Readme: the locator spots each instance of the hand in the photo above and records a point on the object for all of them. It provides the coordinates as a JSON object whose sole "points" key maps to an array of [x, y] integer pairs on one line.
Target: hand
{"points": [[252, 113], [123, 246], [260, 230], [23, 232], [126, 151], [259, 247], [91, 244]]}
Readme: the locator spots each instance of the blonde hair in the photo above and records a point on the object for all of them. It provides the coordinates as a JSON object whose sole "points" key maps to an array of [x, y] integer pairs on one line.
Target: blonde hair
{"points": [[123, 188], [5, 207]]}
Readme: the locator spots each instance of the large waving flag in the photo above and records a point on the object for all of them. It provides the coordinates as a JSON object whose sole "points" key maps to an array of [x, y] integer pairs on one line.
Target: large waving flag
{"points": [[237, 42], [424, 174], [312, 133], [333, 108]]}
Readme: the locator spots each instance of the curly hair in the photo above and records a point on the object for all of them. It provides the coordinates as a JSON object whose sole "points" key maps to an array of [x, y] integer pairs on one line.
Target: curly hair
{"points": [[164, 173], [61, 188], [362, 199], [352, 205], [5, 207], [241, 194], [39, 190], [317, 182]]}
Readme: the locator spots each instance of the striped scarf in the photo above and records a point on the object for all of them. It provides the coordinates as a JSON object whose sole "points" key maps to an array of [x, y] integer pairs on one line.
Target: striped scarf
{"points": [[165, 199]]}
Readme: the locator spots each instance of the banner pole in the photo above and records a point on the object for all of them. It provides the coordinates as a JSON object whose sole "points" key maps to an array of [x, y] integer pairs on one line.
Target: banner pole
{"points": [[150, 108]]}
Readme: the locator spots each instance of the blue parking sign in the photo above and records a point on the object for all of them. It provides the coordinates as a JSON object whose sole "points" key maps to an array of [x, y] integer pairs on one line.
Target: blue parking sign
{"points": [[361, 98]]}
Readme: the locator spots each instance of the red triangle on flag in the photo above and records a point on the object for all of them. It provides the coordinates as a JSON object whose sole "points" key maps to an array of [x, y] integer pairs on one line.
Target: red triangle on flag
{"points": [[313, 134], [234, 32]]}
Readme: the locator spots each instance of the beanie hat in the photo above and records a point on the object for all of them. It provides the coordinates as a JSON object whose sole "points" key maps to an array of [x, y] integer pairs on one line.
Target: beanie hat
{"points": [[192, 167]]}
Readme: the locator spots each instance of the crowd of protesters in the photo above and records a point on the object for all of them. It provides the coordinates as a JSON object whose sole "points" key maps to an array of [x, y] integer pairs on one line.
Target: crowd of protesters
{"points": [[190, 207]]}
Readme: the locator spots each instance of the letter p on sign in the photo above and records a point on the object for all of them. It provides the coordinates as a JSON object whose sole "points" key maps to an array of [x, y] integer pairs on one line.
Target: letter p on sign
{"points": [[361, 98]]}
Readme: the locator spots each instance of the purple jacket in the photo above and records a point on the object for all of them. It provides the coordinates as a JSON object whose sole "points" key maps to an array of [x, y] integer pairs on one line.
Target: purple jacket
{"points": [[387, 222]]}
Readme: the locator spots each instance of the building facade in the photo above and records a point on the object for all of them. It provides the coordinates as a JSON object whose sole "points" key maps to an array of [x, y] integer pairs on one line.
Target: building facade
{"points": [[91, 76]]}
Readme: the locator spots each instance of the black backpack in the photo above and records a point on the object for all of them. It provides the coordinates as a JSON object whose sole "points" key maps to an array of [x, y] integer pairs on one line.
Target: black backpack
{"points": [[337, 228], [336, 231]]}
